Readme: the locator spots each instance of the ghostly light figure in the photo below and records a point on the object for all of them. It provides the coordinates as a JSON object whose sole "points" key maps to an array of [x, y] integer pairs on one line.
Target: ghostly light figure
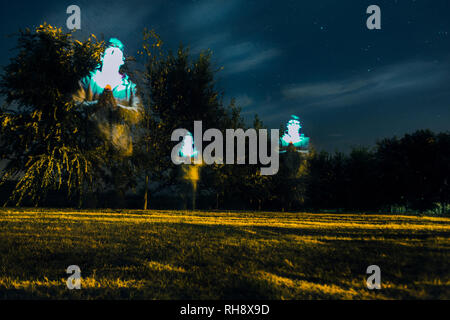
{"points": [[108, 77], [187, 149], [112, 97], [190, 172], [292, 136]]}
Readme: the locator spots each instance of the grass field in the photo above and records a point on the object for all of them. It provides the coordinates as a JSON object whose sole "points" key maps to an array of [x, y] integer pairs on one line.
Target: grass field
{"points": [[221, 255]]}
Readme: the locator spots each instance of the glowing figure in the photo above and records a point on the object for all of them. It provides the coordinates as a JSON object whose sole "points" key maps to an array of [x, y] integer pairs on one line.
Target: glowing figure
{"points": [[189, 172], [293, 135], [187, 149], [112, 97], [108, 77]]}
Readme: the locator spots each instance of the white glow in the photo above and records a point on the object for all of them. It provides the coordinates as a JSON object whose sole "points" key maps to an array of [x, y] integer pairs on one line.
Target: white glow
{"points": [[293, 132], [188, 146], [109, 74]]}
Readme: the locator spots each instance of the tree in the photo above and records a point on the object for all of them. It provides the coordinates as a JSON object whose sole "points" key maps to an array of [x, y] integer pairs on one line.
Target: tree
{"points": [[226, 181], [413, 170], [288, 186], [47, 139], [361, 172], [256, 187], [177, 90], [443, 170], [420, 150], [319, 192]]}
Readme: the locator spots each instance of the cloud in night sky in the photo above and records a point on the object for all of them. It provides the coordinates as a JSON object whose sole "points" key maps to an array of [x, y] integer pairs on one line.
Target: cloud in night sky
{"points": [[114, 18], [209, 41], [199, 14], [244, 100], [391, 80], [236, 57], [250, 60], [315, 59]]}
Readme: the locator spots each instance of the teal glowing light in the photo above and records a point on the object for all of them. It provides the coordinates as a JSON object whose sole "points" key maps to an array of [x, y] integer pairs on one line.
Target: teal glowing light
{"points": [[187, 149], [293, 136], [114, 42], [107, 75]]}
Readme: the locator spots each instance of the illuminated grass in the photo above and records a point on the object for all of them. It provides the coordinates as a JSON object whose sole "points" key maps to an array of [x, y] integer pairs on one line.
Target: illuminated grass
{"points": [[221, 255]]}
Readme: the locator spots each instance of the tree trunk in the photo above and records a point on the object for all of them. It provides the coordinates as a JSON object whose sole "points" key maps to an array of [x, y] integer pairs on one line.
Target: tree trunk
{"points": [[194, 193], [217, 200], [146, 193]]}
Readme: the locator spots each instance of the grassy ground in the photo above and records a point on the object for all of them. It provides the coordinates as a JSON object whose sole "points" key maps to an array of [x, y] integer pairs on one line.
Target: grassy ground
{"points": [[219, 255]]}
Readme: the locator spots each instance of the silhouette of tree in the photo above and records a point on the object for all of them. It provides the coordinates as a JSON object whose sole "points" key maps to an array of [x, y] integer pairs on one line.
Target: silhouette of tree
{"points": [[177, 90], [47, 139], [443, 170], [362, 180]]}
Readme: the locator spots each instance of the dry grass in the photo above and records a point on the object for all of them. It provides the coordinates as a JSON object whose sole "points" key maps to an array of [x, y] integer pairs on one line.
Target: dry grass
{"points": [[221, 255]]}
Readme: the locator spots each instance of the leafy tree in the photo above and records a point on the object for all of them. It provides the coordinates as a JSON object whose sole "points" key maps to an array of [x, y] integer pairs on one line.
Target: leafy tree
{"points": [[256, 187], [443, 170], [362, 178], [421, 178], [47, 139], [319, 192], [177, 90], [409, 170], [390, 161], [289, 185], [223, 180]]}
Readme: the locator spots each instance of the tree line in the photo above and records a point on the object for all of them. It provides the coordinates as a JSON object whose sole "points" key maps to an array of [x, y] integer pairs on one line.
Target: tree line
{"points": [[54, 155], [398, 174]]}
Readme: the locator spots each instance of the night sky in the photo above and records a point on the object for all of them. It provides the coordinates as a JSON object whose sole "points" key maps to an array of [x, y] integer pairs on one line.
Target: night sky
{"points": [[315, 59]]}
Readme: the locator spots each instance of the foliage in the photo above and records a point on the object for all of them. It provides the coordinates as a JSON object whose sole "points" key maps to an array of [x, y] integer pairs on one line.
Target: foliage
{"points": [[177, 90], [410, 169], [50, 143], [288, 187], [411, 173], [47, 139]]}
